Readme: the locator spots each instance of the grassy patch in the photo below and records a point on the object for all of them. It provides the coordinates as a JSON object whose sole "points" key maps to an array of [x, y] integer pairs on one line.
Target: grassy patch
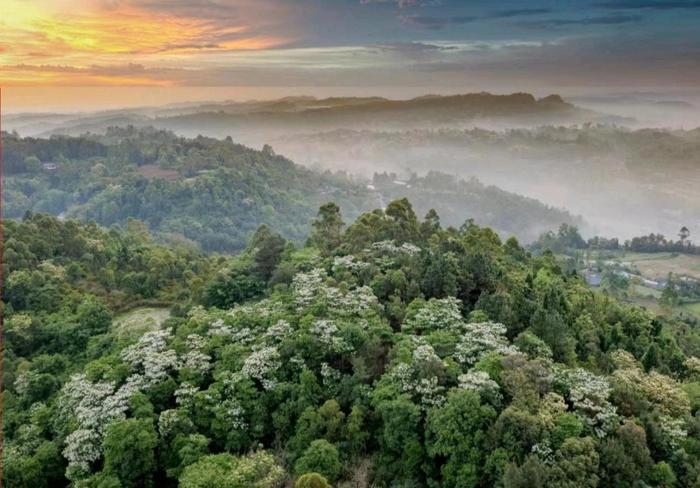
{"points": [[139, 320], [691, 308]]}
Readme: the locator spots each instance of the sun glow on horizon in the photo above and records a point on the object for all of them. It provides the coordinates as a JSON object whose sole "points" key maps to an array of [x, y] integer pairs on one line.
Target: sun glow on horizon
{"points": [[91, 43]]}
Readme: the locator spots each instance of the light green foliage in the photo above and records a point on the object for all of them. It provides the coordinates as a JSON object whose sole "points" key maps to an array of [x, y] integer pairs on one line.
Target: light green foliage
{"points": [[257, 470], [311, 480]]}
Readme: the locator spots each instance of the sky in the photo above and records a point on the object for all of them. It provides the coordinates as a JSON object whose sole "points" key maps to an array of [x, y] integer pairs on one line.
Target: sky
{"points": [[415, 45]]}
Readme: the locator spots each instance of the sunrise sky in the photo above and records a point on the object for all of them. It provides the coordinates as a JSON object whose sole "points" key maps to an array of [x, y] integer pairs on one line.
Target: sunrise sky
{"points": [[505, 45]]}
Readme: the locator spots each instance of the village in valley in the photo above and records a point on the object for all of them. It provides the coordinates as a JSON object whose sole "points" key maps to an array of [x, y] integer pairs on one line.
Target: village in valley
{"points": [[661, 275]]}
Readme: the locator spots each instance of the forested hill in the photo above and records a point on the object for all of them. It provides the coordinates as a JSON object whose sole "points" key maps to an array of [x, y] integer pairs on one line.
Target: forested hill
{"points": [[215, 193], [390, 352], [211, 192]]}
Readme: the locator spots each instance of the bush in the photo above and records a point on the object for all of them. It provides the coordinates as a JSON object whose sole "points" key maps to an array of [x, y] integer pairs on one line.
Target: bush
{"points": [[320, 457], [312, 480]]}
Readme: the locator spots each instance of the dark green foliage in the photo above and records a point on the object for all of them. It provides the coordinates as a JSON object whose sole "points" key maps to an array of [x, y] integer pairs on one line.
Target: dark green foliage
{"points": [[205, 191], [327, 228], [320, 457], [129, 451], [232, 288], [456, 432]]}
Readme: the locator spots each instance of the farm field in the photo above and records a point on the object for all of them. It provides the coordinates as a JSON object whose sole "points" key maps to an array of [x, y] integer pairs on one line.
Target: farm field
{"points": [[658, 265], [655, 265]]}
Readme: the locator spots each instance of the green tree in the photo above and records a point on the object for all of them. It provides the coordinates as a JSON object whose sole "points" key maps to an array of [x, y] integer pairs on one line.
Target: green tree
{"points": [[457, 433], [327, 228], [129, 451], [93, 316], [405, 227], [267, 247], [257, 470], [320, 457], [576, 464], [625, 458], [233, 287]]}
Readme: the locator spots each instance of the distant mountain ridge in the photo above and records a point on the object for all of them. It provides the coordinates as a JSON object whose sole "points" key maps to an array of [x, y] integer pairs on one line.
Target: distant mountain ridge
{"points": [[305, 113]]}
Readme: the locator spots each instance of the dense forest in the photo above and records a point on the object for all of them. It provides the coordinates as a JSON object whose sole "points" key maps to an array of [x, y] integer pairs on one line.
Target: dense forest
{"points": [[390, 351], [213, 194]]}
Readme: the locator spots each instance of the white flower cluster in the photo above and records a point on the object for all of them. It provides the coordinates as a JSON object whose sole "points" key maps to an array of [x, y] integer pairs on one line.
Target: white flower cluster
{"points": [[353, 302], [481, 338], [427, 389], [261, 365], [232, 413], [194, 358], [83, 447], [692, 364], [478, 381], [95, 406], [151, 356], [389, 247], [307, 286], [674, 429], [326, 331], [229, 409], [543, 451], [262, 309], [589, 394], [329, 374], [419, 377], [167, 420], [424, 353], [239, 335], [219, 328], [184, 395], [310, 287], [350, 263], [278, 331], [22, 382], [437, 314]]}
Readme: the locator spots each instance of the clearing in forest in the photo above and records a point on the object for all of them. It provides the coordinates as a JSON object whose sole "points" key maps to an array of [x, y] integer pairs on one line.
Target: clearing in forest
{"points": [[136, 322]]}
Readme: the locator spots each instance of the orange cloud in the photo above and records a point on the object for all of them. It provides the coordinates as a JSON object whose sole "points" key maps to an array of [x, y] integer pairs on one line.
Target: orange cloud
{"points": [[118, 33]]}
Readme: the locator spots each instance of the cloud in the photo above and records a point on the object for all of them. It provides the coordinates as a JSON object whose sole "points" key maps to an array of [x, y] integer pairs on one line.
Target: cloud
{"points": [[586, 21], [119, 74], [417, 51], [650, 4], [435, 23], [412, 47], [405, 3], [518, 13]]}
